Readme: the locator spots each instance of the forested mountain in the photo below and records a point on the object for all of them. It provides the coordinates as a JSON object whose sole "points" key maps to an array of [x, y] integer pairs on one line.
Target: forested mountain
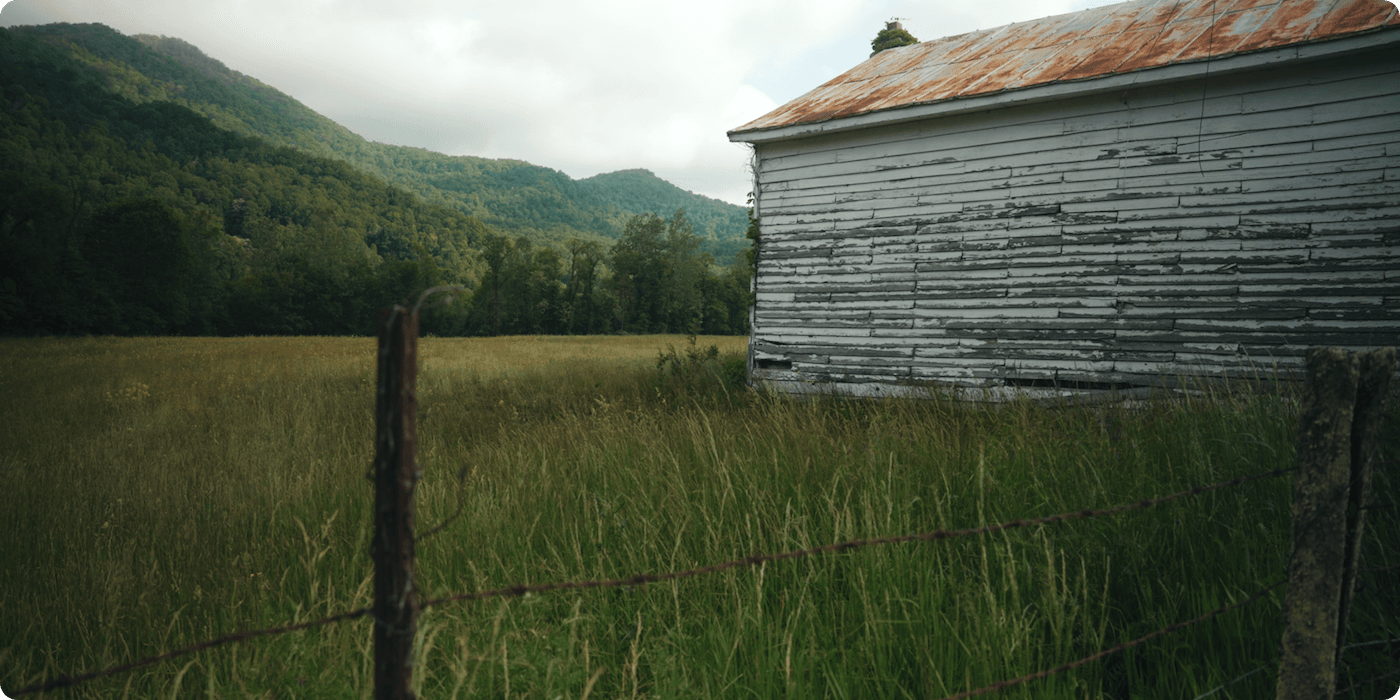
{"points": [[122, 216], [510, 196], [145, 188]]}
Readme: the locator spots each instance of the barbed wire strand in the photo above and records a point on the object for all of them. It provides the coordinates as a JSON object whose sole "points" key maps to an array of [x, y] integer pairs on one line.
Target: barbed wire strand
{"points": [[1237, 679], [1381, 677], [1106, 652], [519, 590], [642, 579], [1370, 644], [66, 681]]}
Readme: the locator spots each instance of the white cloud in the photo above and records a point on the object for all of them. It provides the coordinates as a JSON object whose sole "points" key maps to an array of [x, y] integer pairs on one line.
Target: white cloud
{"points": [[581, 87]]}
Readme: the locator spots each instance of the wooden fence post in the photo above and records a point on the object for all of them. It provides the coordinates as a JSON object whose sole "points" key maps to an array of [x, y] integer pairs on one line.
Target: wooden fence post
{"points": [[395, 474], [1338, 433], [1374, 384], [1307, 665]]}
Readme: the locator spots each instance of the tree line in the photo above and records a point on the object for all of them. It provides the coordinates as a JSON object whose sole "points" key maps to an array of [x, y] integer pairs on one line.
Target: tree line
{"points": [[654, 279]]}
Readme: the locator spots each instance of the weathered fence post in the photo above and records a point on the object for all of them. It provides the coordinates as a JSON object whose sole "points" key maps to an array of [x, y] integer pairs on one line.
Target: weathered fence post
{"points": [[1372, 387], [395, 474], [1337, 434]]}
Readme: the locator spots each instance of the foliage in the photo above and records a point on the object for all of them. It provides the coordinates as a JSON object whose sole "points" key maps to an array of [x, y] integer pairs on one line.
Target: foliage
{"points": [[892, 36], [641, 192], [695, 370], [662, 279]]}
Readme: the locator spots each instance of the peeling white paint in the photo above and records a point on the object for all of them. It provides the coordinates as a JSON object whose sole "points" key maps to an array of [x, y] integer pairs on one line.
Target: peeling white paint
{"points": [[1118, 238]]}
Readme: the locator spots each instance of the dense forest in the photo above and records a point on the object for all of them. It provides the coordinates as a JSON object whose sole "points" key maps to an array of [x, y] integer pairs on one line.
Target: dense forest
{"points": [[147, 189]]}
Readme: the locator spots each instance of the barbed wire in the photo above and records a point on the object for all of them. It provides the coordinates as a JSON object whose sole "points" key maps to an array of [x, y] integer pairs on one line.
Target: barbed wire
{"points": [[642, 579], [66, 681], [1381, 677], [1370, 644], [1237, 679], [1126, 645], [519, 590]]}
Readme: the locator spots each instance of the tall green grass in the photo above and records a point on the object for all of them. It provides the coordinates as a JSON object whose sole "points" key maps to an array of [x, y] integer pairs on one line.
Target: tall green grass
{"points": [[163, 492]]}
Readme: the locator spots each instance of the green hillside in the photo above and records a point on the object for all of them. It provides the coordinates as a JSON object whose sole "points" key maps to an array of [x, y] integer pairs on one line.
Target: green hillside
{"points": [[510, 196], [138, 216], [147, 189], [718, 223]]}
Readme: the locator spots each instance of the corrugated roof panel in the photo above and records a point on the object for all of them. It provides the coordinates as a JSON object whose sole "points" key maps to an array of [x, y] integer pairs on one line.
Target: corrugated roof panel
{"points": [[1156, 16], [961, 81], [989, 43], [1197, 10], [1290, 20], [1348, 17], [1059, 64], [1167, 45], [1025, 35], [1096, 42], [953, 49], [1111, 52], [1241, 5], [1005, 74], [1116, 19], [932, 88]]}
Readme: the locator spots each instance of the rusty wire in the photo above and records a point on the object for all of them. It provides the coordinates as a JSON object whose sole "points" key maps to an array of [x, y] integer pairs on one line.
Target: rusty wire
{"points": [[1375, 569], [1125, 645], [450, 289], [1381, 677], [519, 590], [66, 681], [642, 579]]}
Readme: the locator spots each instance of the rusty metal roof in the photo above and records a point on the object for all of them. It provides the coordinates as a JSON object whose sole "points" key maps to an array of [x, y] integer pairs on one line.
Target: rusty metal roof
{"points": [[1093, 43]]}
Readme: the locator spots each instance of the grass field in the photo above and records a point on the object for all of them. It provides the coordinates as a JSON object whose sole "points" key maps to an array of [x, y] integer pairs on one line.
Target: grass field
{"points": [[161, 492]]}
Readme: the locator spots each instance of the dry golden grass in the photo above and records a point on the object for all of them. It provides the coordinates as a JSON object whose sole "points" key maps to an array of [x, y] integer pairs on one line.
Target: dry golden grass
{"points": [[497, 357], [161, 492]]}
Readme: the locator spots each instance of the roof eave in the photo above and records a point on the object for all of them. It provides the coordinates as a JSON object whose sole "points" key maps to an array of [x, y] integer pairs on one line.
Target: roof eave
{"points": [[1059, 90]]}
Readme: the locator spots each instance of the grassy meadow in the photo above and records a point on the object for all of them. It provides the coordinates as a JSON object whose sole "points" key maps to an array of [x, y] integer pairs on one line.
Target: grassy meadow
{"points": [[162, 492]]}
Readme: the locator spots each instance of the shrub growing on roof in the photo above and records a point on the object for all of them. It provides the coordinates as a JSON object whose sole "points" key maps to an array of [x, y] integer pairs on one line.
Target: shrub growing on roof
{"points": [[892, 36]]}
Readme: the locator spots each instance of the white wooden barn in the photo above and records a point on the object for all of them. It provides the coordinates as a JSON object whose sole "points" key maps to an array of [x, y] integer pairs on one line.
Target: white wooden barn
{"points": [[1115, 197]]}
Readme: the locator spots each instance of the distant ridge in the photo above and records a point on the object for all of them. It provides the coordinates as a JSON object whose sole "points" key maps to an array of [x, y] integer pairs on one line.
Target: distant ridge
{"points": [[511, 196]]}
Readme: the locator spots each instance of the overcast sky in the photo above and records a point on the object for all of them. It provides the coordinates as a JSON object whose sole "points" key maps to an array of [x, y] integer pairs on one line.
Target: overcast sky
{"points": [[580, 87]]}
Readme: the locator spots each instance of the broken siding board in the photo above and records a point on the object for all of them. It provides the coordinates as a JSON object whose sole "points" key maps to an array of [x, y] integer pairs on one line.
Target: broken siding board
{"points": [[1106, 183], [1029, 129], [938, 157], [1242, 312], [939, 154], [1341, 177], [1338, 230], [1387, 139], [1312, 163], [1003, 173], [1301, 133], [1360, 196], [1235, 179], [1382, 213], [1362, 96]]}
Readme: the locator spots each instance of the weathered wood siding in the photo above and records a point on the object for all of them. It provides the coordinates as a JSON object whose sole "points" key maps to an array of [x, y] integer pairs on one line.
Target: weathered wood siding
{"points": [[1204, 227]]}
